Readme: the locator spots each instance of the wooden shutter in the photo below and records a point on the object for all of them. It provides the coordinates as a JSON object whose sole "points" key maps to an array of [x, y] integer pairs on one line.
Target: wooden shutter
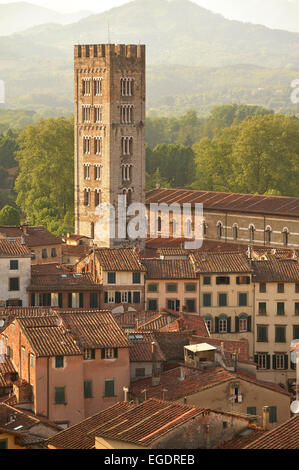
{"points": [[216, 324], [106, 297], [88, 389], [256, 359], [60, 300], [249, 324], [115, 352], [129, 297], [268, 361], [70, 300], [274, 361], [229, 324], [103, 353], [109, 388], [117, 297], [48, 300], [81, 300], [286, 361], [33, 300]]}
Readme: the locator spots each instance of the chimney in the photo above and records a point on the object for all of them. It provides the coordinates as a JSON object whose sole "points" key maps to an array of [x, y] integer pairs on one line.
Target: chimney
{"points": [[182, 376], [153, 348], [266, 418], [25, 229], [207, 431], [22, 240], [126, 391], [249, 252]]}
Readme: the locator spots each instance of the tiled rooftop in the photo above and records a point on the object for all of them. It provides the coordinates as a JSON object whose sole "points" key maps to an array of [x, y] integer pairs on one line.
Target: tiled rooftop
{"points": [[76, 437], [285, 436], [146, 423], [169, 269], [69, 332], [241, 348], [34, 236], [233, 202], [225, 262], [53, 276], [245, 438], [6, 368], [121, 259], [13, 247], [276, 269]]}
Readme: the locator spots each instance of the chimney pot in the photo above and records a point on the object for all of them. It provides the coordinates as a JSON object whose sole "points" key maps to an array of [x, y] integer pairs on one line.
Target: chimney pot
{"points": [[266, 412]]}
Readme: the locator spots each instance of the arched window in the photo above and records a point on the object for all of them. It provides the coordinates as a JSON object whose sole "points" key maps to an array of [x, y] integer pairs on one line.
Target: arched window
{"points": [[188, 225], [223, 324], [235, 232], [219, 229], [159, 224], [285, 236], [97, 197], [86, 196], [204, 228], [209, 323], [251, 233], [243, 323], [129, 197], [268, 234]]}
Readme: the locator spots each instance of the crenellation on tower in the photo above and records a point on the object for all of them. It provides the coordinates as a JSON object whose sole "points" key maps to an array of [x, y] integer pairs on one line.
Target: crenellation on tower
{"points": [[109, 130]]}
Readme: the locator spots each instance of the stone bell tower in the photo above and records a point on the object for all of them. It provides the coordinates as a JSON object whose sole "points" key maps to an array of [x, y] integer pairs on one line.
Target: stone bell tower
{"points": [[109, 133]]}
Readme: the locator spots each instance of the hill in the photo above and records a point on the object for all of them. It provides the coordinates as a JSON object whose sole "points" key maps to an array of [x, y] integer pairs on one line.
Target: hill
{"points": [[206, 58]]}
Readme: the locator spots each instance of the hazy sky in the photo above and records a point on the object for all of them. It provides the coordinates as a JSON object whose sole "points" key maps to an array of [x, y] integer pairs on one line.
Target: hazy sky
{"points": [[245, 10]]}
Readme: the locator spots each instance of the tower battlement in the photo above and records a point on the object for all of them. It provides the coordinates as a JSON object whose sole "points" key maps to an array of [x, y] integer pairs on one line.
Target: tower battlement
{"points": [[93, 51]]}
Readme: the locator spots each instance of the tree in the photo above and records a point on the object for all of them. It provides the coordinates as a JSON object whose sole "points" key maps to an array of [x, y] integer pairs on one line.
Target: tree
{"points": [[8, 148], [44, 184], [9, 216], [156, 179], [259, 155]]}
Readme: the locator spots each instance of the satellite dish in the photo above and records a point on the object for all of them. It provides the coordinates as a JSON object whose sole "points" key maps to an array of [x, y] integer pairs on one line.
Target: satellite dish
{"points": [[295, 407]]}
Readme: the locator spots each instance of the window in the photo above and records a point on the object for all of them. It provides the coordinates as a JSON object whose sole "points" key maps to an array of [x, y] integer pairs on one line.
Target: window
{"points": [[235, 232], [222, 325], [207, 280], [190, 304], [251, 233], [251, 410], [295, 331], [111, 278], [3, 444], [60, 395], [297, 288], [86, 113], [268, 234], [14, 264], [98, 86], [136, 278], [23, 353], [98, 114], [242, 300], [272, 414], [109, 388], [219, 229], [93, 300], [87, 389], [240, 280], [171, 287], [173, 304], [262, 333], [86, 171], [89, 354], [243, 324], [53, 253], [126, 86], [285, 236], [86, 145], [152, 304], [152, 287], [127, 114], [97, 198], [209, 323], [280, 308], [263, 287], [14, 284], [127, 145], [296, 308], [207, 300], [98, 145], [140, 372], [280, 334], [86, 193], [190, 287], [126, 172], [280, 361], [31, 360], [262, 308], [263, 360], [97, 172], [109, 353], [280, 288], [220, 280], [75, 300], [86, 86], [222, 300], [59, 362], [44, 253]]}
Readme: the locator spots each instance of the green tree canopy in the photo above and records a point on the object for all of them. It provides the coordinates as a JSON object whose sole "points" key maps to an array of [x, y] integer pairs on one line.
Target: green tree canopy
{"points": [[44, 185], [9, 216], [259, 155]]}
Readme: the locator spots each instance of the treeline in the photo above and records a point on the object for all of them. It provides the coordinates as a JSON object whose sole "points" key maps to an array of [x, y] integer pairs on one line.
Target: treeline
{"points": [[239, 148]]}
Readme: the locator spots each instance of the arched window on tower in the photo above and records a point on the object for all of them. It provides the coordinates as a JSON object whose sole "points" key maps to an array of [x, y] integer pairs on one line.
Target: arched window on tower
{"points": [[235, 232], [251, 233], [268, 234], [219, 229], [92, 230]]}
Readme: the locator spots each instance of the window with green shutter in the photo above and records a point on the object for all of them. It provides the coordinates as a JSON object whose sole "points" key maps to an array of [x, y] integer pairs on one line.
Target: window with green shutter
{"points": [[153, 287], [88, 389], [222, 300], [262, 333], [272, 414], [262, 308], [242, 300], [136, 297], [60, 395], [251, 410], [171, 287], [207, 280], [280, 308], [207, 300], [111, 278], [59, 362], [280, 334], [94, 300], [109, 388], [136, 278], [295, 331], [296, 308], [3, 444], [190, 287]]}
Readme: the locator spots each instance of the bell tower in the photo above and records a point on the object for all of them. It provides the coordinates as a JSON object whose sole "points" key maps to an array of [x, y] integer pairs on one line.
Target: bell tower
{"points": [[109, 133]]}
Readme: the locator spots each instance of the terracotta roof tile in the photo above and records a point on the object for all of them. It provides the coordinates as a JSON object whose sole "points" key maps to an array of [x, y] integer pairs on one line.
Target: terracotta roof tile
{"points": [[276, 270], [6, 369], [119, 259], [233, 202], [76, 437], [245, 438], [233, 346], [13, 247], [34, 236], [285, 436], [52, 276], [225, 262], [169, 269], [146, 423]]}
